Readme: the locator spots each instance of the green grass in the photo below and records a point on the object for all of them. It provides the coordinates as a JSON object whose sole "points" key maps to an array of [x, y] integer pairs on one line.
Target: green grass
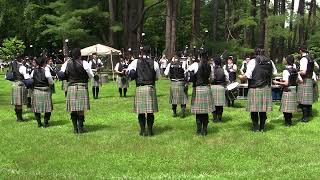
{"points": [[113, 148]]}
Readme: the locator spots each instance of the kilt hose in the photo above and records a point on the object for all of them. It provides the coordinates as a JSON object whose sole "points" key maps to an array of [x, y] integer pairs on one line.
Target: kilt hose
{"points": [[123, 82], [19, 94], [201, 102], [305, 92], [315, 92], [178, 94], [145, 100], [218, 95], [289, 101], [42, 100], [259, 99], [78, 97]]}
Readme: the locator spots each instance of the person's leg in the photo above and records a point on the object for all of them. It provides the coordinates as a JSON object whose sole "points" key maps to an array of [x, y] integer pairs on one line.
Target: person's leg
{"points": [[81, 122], [38, 119], [183, 109], [120, 92], [97, 92], [214, 115], [305, 113], [94, 92], [125, 92], [174, 110], [263, 118], [205, 123], [47, 116], [199, 124], [219, 110], [142, 123], [18, 110], [255, 123], [150, 122], [74, 119]]}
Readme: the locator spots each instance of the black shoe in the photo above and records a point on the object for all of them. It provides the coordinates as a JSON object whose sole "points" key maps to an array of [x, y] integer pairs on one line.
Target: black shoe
{"points": [[304, 120], [81, 129], [150, 131]]}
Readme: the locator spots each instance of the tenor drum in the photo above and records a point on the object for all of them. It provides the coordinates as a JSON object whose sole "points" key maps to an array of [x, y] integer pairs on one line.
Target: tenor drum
{"points": [[232, 91]]}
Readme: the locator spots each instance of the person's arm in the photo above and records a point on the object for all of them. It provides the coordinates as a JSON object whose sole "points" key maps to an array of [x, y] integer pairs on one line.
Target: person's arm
{"points": [[116, 68], [274, 69], [48, 75], [250, 67], [235, 68], [167, 71], [133, 66], [156, 69], [285, 79], [227, 76], [64, 66], [242, 68], [88, 69]]}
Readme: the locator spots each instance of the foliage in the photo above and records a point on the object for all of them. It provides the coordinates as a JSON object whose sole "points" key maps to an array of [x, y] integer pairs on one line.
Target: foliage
{"points": [[10, 48]]}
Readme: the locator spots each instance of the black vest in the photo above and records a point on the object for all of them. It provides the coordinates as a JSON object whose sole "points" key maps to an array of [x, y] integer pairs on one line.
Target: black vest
{"points": [[201, 77], [310, 68], [15, 69], [293, 76], [121, 67], [244, 68], [262, 73], [176, 71], [219, 78], [75, 72], [39, 78], [232, 75], [146, 74], [93, 65]]}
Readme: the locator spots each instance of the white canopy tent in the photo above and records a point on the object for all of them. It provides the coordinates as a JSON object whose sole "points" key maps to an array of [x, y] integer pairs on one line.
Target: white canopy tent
{"points": [[101, 50]]}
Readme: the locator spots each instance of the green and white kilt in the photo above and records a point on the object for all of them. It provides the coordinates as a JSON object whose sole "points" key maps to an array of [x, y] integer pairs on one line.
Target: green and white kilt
{"points": [[78, 97], [178, 94], [123, 81], [305, 92], [145, 100], [19, 93], [289, 101], [218, 95], [315, 92], [64, 85], [30, 93], [259, 99], [42, 100], [202, 102]]}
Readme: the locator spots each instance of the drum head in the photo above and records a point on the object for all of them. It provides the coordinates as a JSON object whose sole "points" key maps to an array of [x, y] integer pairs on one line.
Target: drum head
{"points": [[232, 86]]}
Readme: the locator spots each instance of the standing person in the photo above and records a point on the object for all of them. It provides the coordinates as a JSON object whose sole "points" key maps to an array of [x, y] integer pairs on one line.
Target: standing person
{"points": [[123, 81], [289, 96], [259, 74], [64, 83], [178, 89], [163, 64], [231, 68], [95, 64], [41, 100], [19, 91], [146, 72], [77, 72], [30, 67], [219, 80], [305, 90], [52, 69], [201, 103]]}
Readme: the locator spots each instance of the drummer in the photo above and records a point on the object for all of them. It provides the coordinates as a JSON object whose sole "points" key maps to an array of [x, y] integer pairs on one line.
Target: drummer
{"points": [[289, 82], [219, 79], [231, 68]]}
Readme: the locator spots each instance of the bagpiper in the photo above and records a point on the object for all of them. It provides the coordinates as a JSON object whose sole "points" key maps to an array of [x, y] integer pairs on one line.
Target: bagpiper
{"points": [[145, 71], [96, 65], [122, 79]]}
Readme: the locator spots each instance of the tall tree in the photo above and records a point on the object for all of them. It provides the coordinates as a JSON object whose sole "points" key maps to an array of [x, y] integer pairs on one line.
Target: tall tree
{"points": [[195, 20], [301, 9], [172, 7], [252, 28], [215, 20], [290, 39], [226, 19], [112, 21], [263, 16]]}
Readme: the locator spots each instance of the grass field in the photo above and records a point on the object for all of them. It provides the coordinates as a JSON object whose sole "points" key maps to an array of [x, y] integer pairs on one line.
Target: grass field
{"points": [[113, 149]]}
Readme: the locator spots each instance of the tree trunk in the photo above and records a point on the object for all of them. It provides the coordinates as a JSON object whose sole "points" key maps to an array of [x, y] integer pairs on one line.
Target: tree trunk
{"points": [[263, 15], [252, 28], [282, 40], [125, 24], [112, 20], [215, 20], [302, 23], [226, 19], [273, 51], [290, 39], [195, 21], [172, 6]]}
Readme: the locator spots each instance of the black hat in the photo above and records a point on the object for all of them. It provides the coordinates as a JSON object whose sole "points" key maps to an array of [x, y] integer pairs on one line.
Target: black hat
{"points": [[217, 61], [290, 60]]}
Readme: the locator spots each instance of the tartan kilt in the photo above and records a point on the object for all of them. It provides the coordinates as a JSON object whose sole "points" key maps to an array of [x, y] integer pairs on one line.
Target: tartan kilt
{"points": [[315, 92], [18, 93], [78, 97], [218, 95], [123, 82], [177, 93], [95, 83], [30, 93], [289, 101], [145, 100], [259, 99], [305, 92], [42, 100], [202, 102]]}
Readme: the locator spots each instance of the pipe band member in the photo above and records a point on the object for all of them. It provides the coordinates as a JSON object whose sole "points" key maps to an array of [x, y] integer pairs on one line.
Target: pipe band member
{"points": [[219, 80], [145, 71], [96, 65], [201, 102], [259, 74], [231, 68], [77, 73], [42, 94], [179, 88], [290, 79], [19, 91], [122, 79], [305, 89]]}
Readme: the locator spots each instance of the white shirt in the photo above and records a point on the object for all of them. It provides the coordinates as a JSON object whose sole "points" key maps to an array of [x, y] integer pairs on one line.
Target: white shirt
{"points": [[23, 71], [133, 66], [163, 63], [232, 67], [252, 64], [286, 74], [303, 63], [167, 71], [47, 75], [194, 67], [242, 66], [117, 66], [86, 67]]}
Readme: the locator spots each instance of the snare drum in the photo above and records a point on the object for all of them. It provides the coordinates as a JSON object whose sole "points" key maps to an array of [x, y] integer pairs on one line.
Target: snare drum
{"points": [[232, 91]]}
